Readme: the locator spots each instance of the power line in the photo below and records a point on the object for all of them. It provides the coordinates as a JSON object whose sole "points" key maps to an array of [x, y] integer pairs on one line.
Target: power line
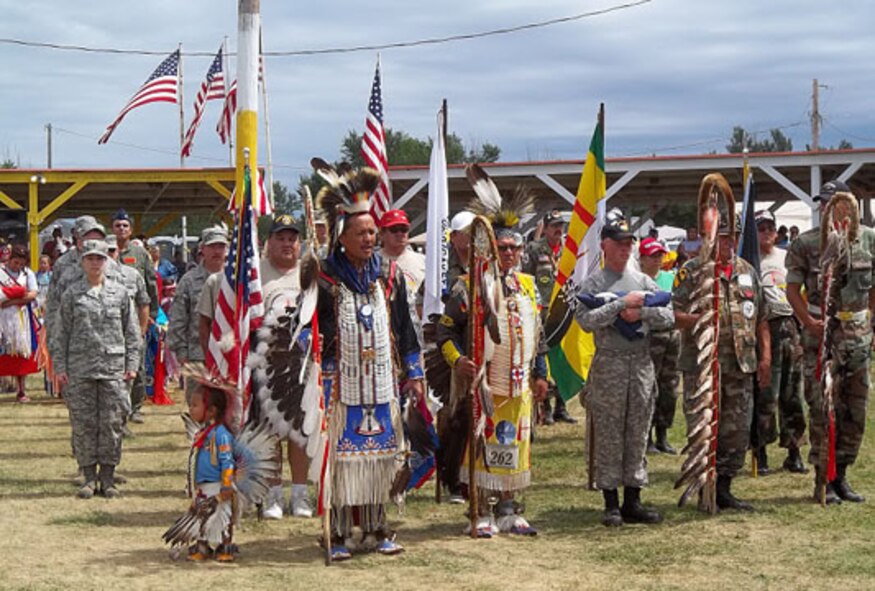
{"points": [[337, 50], [166, 151], [710, 141], [847, 133]]}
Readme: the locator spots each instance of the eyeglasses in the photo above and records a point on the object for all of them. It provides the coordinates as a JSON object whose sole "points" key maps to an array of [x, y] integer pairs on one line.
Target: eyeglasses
{"points": [[508, 247], [399, 229]]}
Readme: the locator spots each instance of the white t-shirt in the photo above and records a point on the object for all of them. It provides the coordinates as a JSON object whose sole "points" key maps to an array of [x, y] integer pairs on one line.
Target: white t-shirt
{"points": [[773, 276]]}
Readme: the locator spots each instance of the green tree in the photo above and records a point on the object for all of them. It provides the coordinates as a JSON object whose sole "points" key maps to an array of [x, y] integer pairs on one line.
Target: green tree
{"points": [[776, 142], [7, 163], [286, 201]]}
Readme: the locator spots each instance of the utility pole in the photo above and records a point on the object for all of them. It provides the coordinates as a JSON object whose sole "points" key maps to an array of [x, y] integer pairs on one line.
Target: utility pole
{"points": [[48, 145], [815, 116]]}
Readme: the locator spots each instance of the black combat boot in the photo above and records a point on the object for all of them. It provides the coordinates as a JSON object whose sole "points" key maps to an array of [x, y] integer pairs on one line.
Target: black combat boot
{"points": [[794, 463], [612, 517], [89, 473], [651, 446], [762, 462], [831, 497], [662, 442], [633, 511], [547, 409], [725, 498], [560, 413], [843, 489], [107, 481]]}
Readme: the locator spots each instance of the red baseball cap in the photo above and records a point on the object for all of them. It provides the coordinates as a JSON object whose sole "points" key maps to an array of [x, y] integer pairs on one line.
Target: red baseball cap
{"points": [[394, 217], [651, 246]]}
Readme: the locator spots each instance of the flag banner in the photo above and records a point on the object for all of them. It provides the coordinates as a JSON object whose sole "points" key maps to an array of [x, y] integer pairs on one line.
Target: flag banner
{"points": [[569, 359], [374, 149], [239, 307], [437, 226], [161, 87], [260, 202], [212, 88], [229, 107], [748, 241]]}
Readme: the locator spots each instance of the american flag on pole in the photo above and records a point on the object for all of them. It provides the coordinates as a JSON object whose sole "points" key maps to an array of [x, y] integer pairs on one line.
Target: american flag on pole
{"points": [[229, 108], [161, 87], [374, 149], [239, 307], [212, 88]]}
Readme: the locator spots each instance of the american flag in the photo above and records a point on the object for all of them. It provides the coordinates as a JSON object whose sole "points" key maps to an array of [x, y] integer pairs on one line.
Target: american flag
{"points": [[161, 87], [230, 107], [239, 307], [212, 88], [374, 149]]}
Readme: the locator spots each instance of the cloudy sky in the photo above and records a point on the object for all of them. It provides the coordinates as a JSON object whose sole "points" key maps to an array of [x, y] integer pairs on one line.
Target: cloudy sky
{"points": [[675, 75]]}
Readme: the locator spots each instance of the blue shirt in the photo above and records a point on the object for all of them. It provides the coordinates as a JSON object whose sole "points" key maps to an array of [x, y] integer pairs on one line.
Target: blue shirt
{"points": [[215, 458]]}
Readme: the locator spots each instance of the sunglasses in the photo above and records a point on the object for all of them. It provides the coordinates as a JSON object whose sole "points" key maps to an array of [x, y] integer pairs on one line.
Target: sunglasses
{"points": [[765, 228], [399, 230], [508, 247]]}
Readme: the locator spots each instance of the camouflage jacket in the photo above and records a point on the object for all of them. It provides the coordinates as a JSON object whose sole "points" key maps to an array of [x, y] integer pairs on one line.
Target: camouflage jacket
{"points": [[803, 267], [182, 336], [97, 336], [741, 310], [137, 257], [540, 262]]}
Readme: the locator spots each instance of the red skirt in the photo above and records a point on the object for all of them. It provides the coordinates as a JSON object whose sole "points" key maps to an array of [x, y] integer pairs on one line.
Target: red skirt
{"points": [[13, 365]]}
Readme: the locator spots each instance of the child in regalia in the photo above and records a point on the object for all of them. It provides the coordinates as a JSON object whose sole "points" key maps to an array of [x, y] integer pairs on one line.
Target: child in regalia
{"points": [[209, 521]]}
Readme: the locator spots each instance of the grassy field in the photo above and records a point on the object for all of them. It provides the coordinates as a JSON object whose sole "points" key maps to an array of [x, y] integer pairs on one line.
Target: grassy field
{"points": [[49, 539]]}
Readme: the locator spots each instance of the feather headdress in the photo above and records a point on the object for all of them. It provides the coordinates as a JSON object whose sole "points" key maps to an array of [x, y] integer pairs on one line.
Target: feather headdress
{"points": [[504, 215], [347, 193], [198, 372]]}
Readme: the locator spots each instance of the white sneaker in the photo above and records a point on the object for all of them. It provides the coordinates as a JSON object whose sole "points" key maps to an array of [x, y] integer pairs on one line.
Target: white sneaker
{"points": [[273, 511], [274, 504], [300, 506]]}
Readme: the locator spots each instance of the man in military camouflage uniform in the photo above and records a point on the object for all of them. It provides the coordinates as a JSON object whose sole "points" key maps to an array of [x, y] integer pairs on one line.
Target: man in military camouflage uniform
{"points": [[619, 393], [98, 345], [541, 260], [785, 388], [742, 325], [183, 334], [665, 347], [135, 256], [132, 281], [851, 343]]}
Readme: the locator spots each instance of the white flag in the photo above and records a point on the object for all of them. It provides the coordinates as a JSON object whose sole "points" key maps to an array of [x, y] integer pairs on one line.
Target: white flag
{"points": [[437, 226]]}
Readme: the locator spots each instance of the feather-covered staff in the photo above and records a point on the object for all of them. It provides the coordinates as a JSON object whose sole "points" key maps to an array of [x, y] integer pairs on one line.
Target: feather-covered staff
{"points": [[699, 471], [838, 231]]}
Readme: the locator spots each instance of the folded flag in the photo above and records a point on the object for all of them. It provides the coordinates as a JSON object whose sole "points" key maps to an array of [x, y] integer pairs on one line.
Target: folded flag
{"points": [[630, 330]]}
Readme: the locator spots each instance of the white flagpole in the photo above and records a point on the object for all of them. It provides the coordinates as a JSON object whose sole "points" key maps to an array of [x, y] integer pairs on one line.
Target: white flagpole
{"points": [[437, 225], [227, 79], [179, 98], [263, 66]]}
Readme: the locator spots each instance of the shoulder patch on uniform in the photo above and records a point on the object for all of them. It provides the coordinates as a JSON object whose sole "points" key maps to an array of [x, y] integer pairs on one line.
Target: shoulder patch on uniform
{"points": [[681, 276], [447, 321]]}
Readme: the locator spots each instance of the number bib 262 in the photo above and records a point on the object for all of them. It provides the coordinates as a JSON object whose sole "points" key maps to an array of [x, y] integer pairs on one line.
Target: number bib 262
{"points": [[502, 456]]}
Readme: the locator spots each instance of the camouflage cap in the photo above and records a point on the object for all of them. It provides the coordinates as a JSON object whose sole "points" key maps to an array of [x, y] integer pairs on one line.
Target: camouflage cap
{"points": [[87, 223], [214, 235], [98, 247], [111, 242]]}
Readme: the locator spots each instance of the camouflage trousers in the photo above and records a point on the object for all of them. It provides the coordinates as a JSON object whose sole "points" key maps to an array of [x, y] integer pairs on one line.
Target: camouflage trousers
{"points": [[97, 413], [850, 400], [665, 347], [619, 399], [736, 410], [784, 393]]}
